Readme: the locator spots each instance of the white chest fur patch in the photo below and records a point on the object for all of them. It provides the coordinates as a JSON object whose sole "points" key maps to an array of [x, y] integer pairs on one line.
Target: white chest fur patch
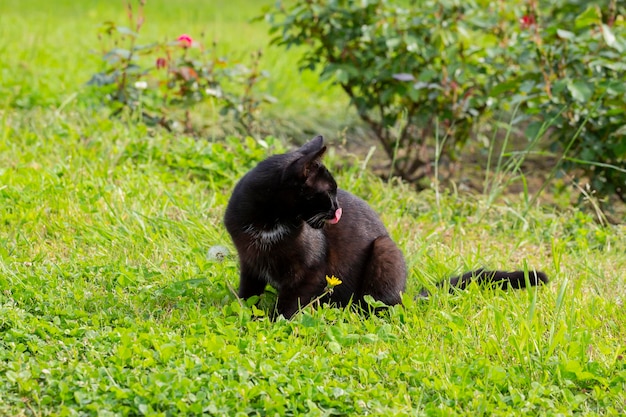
{"points": [[266, 238]]}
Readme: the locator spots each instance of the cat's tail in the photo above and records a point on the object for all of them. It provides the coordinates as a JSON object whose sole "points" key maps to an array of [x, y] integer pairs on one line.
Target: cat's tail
{"points": [[499, 279]]}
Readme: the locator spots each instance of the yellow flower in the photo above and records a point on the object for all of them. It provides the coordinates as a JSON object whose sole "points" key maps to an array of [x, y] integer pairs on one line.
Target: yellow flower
{"points": [[332, 281]]}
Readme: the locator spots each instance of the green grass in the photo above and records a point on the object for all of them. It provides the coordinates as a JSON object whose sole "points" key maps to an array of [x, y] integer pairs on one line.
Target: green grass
{"points": [[111, 305]]}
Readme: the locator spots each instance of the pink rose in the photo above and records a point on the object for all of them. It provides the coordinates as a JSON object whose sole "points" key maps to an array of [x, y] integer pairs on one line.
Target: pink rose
{"points": [[527, 21], [161, 63], [185, 40]]}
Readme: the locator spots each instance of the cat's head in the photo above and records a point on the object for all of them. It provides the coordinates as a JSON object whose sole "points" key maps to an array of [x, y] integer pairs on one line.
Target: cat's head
{"points": [[313, 189]]}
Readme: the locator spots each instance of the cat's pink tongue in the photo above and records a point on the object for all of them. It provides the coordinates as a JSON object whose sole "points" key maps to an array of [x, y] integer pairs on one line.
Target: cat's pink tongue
{"points": [[335, 220]]}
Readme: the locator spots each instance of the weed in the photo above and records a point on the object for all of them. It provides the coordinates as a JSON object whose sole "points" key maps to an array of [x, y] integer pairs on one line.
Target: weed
{"points": [[151, 81]]}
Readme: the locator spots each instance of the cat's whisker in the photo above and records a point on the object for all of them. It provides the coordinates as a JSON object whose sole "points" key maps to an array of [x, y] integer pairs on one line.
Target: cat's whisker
{"points": [[317, 221]]}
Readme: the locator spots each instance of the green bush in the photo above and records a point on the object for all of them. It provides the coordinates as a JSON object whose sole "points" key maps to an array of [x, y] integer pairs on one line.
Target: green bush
{"points": [[421, 72], [571, 72], [414, 75]]}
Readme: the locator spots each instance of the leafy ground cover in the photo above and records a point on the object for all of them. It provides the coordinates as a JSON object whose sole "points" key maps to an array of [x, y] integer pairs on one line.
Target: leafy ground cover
{"points": [[113, 302]]}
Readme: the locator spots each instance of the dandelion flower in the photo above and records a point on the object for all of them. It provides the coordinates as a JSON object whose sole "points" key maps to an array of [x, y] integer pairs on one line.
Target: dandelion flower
{"points": [[332, 281]]}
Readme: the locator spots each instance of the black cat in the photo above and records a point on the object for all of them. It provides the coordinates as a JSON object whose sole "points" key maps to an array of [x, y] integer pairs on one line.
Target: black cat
{"points": [[292, 227]]}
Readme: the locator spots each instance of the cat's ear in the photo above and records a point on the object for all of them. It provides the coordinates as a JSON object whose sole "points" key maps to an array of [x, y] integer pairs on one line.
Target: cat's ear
{"points": [[310, 159], [313, 146]]}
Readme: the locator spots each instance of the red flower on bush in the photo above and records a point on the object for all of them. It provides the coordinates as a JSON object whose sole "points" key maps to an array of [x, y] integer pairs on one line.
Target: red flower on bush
{"points": [[527, 21], [185, 40], [161, 63]]}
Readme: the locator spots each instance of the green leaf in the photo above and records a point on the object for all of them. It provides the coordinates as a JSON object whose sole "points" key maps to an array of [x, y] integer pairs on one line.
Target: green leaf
{"points": [[532, 131], [117, 53], [374, 303], [504, 87], [393, 43], [591, 16], [403, 76], [565, 34], [126, 31], [269, 99], [610, 39], [256, 312], [102, 78], [252, 300], [614, 87], [145, 48], [580, 90], [620, 132], [342, 76], [334, 347]]}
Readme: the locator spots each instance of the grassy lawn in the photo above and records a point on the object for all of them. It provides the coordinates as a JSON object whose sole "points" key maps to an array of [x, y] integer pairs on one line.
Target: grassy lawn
{"points": [[113, 303]]}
